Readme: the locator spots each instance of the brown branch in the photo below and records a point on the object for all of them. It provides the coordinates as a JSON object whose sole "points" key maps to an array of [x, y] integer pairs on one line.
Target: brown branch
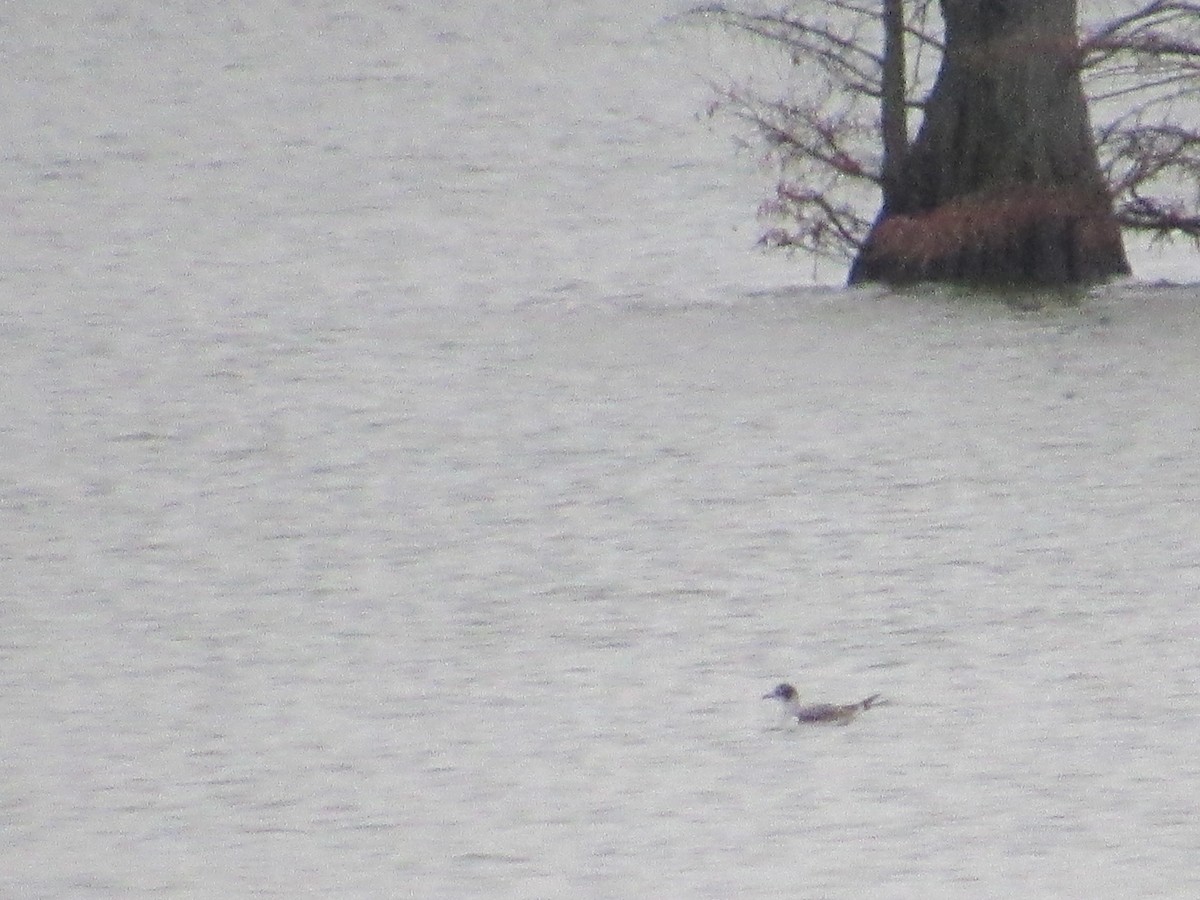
{"points": [[819, 224], [843, 57], [1140, 34], [1164, 221], [802, 135]]}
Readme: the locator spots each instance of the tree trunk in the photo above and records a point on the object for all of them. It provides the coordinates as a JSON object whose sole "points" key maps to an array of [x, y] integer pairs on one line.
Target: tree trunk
{"points": [[893, 106], [1002, 185]]}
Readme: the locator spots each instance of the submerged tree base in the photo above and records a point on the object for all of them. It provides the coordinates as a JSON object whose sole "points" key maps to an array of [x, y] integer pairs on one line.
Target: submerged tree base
{"points": [[1028, 235]]}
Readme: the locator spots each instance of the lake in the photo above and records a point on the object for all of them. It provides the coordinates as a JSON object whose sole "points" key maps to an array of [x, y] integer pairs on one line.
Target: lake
{"points": [[413, 478]]}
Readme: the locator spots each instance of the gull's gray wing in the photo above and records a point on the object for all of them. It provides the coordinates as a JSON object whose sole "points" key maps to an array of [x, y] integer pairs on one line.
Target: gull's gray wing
{"points": [[823, 712]]}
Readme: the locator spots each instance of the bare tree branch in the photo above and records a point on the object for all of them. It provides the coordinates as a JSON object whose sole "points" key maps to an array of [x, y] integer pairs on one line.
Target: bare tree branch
{"points": [[818, 224]]}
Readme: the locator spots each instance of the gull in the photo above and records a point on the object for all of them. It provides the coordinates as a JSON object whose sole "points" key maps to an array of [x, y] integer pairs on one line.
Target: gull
{"points": [[819, 712]]}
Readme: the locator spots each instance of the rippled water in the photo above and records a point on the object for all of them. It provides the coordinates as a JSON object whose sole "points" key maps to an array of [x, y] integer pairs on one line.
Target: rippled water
{"points": [[411, 482]]}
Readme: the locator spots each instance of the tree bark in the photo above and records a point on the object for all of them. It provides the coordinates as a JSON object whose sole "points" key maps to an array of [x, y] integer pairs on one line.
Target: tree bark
{"points": [[1002, 185], [893, 105]]}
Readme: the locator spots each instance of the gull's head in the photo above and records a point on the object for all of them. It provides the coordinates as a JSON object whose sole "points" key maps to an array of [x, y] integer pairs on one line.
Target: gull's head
{"points": [[784, 692]]}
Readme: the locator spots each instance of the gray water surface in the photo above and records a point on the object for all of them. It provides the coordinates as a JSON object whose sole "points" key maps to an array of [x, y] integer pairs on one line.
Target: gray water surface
{"points": [[411, 481]]}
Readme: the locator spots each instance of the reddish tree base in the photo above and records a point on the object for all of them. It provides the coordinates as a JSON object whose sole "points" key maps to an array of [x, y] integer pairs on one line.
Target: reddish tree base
{"points": [[1021, 236]]}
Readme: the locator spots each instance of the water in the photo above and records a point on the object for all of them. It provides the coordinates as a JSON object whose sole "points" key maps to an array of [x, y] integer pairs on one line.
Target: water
{"points": [[411, 481]]}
